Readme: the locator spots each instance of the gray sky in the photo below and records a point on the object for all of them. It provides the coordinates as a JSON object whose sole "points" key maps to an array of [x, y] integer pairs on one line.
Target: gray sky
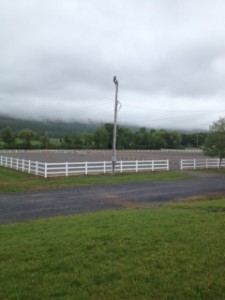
{"points": [[58, 59]]}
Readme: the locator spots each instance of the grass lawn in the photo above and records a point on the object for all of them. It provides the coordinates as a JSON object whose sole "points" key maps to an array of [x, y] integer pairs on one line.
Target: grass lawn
{"points": [[14, 181], [173, 252], [215, 171]]}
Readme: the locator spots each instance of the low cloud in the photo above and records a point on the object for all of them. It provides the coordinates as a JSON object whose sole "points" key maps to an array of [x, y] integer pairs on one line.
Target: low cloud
{"points": [[58, 59]]}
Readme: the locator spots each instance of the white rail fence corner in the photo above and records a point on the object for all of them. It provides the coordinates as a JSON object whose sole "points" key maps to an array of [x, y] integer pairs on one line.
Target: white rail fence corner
{"points": [[78, 168], [194, 164]]}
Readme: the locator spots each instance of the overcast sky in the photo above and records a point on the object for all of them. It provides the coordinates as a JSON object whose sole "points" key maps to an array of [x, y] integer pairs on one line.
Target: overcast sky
{"points": [[58, 59]]}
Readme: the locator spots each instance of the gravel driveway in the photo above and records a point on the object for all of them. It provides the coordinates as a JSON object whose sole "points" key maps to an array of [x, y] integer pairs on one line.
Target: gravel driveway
{"points": [[26, 206]]}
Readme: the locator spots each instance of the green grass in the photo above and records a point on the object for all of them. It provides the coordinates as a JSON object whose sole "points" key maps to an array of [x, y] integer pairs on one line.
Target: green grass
{"points": [[172, 252], [14, 181], [215, 171]]}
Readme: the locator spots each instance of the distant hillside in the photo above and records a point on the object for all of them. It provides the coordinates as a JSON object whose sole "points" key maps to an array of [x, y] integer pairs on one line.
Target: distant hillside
{"points": [[57, 128], [60, 128]]}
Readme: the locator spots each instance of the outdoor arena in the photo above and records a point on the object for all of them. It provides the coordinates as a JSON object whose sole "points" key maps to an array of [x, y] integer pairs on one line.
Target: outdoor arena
{"points": [[49, 163], [95, 155], [61, 156]]}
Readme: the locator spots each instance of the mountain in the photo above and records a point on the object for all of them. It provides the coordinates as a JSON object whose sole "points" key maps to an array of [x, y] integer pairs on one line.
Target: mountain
{"points": [[56, 128], [60, 128]]}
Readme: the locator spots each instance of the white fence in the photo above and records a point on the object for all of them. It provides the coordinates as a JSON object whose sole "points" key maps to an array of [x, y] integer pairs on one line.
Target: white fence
{"points": [[28, 166], [77, 168], [201, 163]]}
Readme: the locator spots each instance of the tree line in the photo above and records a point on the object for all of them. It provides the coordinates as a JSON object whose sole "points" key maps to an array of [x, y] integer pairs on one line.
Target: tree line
{"points": [[101, 138], [57, 128]]}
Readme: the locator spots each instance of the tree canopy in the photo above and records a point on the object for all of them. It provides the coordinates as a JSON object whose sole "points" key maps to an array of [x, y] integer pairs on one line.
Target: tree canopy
{"points": [[101, 138], [7, 136], [215, 141], [27, 135]]}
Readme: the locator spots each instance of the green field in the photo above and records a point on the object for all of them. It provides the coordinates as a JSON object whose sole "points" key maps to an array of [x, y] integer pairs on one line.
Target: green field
{"points": [[175, 251], [14, 181], [172, 252]]}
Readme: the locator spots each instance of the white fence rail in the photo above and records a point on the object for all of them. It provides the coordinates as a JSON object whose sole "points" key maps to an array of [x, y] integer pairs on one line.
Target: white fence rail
{"points": [[77, 168], [28, 166], [201, 163]]}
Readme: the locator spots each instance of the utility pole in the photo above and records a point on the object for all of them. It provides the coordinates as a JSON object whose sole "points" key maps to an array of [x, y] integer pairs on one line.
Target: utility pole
{"points": [[114, 127]]}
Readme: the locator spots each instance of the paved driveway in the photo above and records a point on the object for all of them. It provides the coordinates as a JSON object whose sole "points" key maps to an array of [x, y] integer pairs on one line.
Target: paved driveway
{"points": [[21, 207]]}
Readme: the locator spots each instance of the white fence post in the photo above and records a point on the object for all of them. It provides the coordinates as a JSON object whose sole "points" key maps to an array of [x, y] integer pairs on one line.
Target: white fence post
{"points": [[168, 165], [104, 167], [136, 167], [194, 164], [66, 167], [46, 170], [86, 168], [121, 166], [36, 172]]}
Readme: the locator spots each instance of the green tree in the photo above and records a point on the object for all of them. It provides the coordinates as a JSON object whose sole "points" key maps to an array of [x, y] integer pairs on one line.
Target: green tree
{"points": [[7, 136], [73, 141], [125, 138], [46, 140], [101, 138], [215, 141], [87, 140], [159, 139], [172, 139], [141, 138], [66, 140], [27, 135], [76, 139], [196, 139]]}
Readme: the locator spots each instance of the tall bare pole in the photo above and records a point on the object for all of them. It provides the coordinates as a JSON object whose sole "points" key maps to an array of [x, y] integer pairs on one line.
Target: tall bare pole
{"points": [[114, 127]]}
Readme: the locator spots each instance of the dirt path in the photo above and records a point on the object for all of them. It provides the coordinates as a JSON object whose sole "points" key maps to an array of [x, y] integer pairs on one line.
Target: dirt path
{"points": [[21, 207]]}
